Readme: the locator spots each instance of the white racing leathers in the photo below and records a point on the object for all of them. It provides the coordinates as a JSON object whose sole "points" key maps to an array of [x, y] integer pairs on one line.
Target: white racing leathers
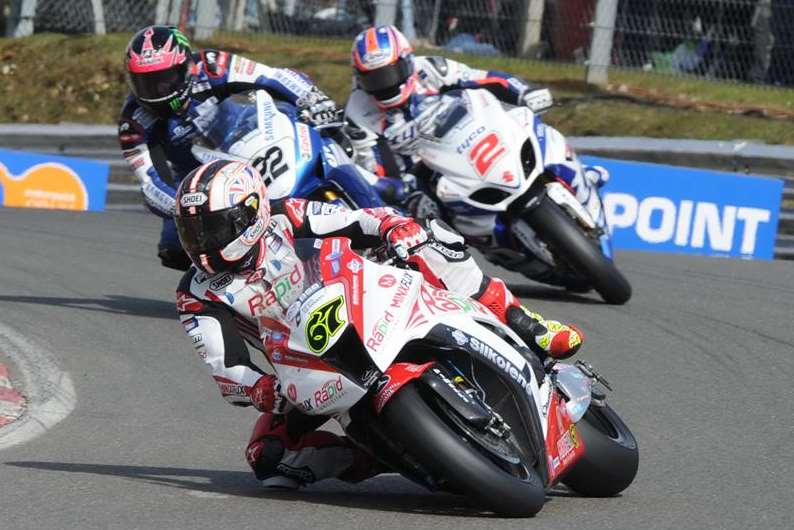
{"points": [[376, 131], [224, 313]]}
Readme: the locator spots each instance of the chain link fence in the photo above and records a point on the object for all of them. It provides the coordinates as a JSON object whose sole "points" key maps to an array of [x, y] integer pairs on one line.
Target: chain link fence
{"points": [[737, 40]]}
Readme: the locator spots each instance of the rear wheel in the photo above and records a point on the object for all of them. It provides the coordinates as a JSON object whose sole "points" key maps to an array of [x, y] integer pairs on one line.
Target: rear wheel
{"points": [[611, 457], [469, 466], [568, 241]]}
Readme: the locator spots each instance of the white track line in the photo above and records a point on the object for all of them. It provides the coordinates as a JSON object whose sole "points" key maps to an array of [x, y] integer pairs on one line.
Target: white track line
{"points": [[49, 391]]}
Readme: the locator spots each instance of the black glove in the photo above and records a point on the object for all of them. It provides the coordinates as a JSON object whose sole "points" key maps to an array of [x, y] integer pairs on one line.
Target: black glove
{"points": [[316, 108]]}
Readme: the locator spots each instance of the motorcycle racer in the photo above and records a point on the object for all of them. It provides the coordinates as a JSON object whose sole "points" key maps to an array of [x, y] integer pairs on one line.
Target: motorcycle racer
{"points": [[174, 90], [389, 85], [246, 273]]}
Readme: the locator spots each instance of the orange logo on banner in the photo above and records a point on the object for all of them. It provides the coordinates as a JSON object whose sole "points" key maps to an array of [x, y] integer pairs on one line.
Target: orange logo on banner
{"points": [[49, 185]]}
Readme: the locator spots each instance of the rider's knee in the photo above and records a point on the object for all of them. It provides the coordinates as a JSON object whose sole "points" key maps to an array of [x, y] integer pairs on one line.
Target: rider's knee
{"points": [[264, 456]]}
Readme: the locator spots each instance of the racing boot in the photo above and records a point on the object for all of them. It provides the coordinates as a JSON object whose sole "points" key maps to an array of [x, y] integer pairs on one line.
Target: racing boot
{"points": [[546, 338]]}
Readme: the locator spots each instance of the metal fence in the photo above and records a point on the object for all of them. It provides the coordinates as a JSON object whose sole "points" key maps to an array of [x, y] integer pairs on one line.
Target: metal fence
{"points": [[737, 40]]}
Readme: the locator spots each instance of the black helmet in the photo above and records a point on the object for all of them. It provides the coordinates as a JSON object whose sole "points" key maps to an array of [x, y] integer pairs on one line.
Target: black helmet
{"points": [[222, 212], [158, 64]]}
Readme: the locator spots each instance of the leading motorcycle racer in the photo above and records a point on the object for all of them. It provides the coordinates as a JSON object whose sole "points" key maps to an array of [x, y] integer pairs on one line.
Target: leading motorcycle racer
{"points": [[389, 85], [173, 92], [245, 275]]}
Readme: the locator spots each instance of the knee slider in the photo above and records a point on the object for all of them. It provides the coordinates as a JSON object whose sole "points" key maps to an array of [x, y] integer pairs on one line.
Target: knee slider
{"points": [[264, 455]]}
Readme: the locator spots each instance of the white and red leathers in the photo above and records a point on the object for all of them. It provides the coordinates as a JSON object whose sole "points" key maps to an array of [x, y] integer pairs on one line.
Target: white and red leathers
{"points": [[223, 312], [376, 130]]}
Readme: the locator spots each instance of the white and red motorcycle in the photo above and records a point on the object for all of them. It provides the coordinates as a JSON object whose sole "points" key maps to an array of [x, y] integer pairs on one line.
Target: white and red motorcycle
{"points": [[495, 172], [439, 390]]}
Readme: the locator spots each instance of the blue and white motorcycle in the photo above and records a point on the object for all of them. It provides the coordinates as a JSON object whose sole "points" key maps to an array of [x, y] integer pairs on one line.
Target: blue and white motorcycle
{"points": [[495, 173], [295, 159]]}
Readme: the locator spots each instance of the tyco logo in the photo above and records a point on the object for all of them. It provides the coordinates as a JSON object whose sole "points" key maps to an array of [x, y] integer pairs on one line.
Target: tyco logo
{"points": [[324, 322], [48, 185]]}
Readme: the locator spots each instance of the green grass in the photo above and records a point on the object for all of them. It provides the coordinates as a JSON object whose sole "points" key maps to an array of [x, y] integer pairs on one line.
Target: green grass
{"points": [[50, 78]]}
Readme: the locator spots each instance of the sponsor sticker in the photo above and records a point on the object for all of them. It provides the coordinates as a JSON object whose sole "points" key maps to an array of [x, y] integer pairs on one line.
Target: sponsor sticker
{"points": [[386, 281], [220, 283], [330, 392]]}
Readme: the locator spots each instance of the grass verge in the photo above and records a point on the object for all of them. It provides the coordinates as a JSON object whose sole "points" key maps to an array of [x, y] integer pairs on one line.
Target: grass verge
{"points": [[49, 78]]}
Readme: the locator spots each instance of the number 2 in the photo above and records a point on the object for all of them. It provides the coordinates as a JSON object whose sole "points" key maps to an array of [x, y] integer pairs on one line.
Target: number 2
{"points": [[486, 152]]}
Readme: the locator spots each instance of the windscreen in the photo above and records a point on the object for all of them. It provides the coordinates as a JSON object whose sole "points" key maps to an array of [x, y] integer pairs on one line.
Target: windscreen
{"points": [[231, 122]]}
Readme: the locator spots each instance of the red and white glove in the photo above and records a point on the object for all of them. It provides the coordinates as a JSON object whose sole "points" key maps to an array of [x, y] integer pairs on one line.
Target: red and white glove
{"points": [[266, 395], [402, 234]]}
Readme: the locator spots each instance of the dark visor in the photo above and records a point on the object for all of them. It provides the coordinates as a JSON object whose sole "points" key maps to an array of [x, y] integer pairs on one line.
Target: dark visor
{"points": [[153, 86], [209, 232], [386, 79]]}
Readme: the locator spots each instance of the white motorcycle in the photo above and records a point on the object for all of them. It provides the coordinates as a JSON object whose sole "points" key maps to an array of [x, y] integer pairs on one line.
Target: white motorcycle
{"points": [[441, 391], [489, 168]]}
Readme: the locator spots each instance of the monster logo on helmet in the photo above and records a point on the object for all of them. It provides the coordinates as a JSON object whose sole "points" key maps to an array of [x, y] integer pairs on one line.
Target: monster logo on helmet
{"points": [[159, 68]]}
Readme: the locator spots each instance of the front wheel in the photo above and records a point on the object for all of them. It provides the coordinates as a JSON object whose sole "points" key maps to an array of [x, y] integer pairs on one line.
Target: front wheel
{"points": [[451, 457], [568, 242], [611, 457]]}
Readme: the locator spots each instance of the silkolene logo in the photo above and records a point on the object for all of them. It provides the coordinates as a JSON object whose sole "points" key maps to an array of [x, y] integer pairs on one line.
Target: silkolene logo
{"points": [[687, 224]]}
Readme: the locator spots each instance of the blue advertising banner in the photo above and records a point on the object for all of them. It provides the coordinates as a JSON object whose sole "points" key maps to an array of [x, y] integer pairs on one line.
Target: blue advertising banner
{"points": [[694, 211], [30, 180]]}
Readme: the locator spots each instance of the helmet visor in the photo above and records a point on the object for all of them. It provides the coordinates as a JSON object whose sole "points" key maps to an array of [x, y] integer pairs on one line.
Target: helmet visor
{"points": [[385, 82], [209, 232], [160, 85]]}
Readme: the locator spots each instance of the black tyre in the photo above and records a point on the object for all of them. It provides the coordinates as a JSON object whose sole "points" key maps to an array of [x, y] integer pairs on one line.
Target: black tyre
{"points": [[561, 233], [448, 455], [611, 456]]}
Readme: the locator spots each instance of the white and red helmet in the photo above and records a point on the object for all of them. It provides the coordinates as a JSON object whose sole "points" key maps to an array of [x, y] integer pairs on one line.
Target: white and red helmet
{"points": [[222, 212], [383, 62]]}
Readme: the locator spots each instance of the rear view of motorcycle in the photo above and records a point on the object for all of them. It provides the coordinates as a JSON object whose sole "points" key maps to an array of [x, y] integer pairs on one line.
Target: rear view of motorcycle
{"points": [[441, 391], [496, 174]]}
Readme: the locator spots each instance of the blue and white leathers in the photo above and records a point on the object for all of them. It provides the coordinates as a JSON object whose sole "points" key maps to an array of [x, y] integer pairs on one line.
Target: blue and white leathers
{"points": [[295, 159]]}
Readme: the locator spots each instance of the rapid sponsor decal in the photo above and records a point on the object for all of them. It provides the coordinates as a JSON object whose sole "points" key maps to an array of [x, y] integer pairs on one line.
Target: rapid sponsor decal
{"points": [[329, 393], [55, 182], [380, 330], [693, 211], [280, 287]]}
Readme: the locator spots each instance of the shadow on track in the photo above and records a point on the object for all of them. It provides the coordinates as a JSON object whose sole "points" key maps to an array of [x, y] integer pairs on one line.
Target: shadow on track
{"points": [[382, 493], [111, 303], [555, 294]]}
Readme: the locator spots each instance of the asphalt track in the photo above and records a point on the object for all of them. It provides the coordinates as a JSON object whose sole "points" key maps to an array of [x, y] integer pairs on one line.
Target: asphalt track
{"points": [[701, 360]]}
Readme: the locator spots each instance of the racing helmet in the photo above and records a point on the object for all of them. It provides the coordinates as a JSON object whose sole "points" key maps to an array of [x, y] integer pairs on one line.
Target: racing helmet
{"points": [[222, 212], [159, 64], [383, 65]]}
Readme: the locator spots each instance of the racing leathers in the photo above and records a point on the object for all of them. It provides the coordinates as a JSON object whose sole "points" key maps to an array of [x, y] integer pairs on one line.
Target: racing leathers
{"points": [[216, 75], [223, 312], [385, 140]]}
